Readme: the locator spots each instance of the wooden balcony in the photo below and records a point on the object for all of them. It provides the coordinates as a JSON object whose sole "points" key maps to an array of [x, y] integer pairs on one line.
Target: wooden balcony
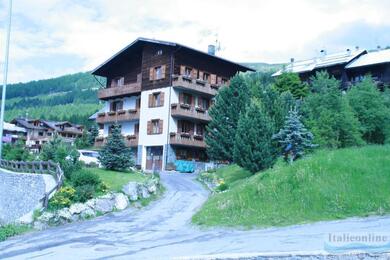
{"points": [[184, 139], [119, 91], [189, 112], [194, 85], [117, 116], [130, 140]]}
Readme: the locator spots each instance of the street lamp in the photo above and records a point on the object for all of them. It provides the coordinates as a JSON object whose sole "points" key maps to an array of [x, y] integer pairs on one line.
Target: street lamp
{"points": [[5, 74]]}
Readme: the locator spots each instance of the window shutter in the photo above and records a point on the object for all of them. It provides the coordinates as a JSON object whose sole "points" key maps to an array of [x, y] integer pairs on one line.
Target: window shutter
{"points": [[182, 70], [192, 100], [200, 75], [149, 128], [160, 126], [151, 74], [179, 126], [150, 103], [162, 99], [136, 129], [194, 73], [213, 79], [192, 126], [138, 103], [111, 106], [181, 97], [163, 70]]}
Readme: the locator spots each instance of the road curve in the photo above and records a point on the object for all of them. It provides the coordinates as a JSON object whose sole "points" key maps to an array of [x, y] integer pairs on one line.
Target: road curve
{"points": [[163, 231]]}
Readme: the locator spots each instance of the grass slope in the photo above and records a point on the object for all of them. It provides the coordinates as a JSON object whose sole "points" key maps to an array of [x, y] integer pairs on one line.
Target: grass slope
{"points": [[326, 185], [116, 180]]}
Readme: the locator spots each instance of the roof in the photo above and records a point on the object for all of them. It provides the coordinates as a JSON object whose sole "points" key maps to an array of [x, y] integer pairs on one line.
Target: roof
{"points": [[44, 125], [13, 128], [371, 58], [324, 61], [26, 123], [141, 41], [94, 116]]}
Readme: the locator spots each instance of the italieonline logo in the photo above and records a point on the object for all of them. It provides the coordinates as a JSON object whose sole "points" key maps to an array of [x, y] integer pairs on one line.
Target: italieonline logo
{"points": [[357, 241]]}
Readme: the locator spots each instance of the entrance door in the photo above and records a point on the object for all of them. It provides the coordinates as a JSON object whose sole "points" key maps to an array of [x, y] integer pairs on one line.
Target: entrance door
{"points": [[154, 158]]}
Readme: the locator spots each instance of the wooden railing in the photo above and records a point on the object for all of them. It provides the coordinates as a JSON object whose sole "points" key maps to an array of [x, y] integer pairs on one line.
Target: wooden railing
{"points": [[37, 167], [119, 91], [196, 85], [130, 141], [185, 139], [187, 111], [117, 116]]}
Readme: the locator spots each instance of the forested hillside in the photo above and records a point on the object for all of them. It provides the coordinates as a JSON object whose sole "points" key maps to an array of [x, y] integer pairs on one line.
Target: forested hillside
{"points": [[70, 97]]}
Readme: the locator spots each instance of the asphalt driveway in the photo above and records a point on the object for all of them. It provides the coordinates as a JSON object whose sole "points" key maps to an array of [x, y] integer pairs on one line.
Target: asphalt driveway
{"points": [[163, 230]]}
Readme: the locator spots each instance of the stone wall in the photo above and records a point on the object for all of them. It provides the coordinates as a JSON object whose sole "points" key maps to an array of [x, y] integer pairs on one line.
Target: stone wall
{"points": [[20, 194]]}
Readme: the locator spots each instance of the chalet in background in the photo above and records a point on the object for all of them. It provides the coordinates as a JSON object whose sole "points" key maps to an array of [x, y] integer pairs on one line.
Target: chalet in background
{"points": [[349, 66], [160, 93], [38, 131]]}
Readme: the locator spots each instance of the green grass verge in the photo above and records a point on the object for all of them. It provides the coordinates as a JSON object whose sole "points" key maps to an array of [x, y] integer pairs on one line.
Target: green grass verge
{"points": [[115, 180], [13, 230], [326, 185]]}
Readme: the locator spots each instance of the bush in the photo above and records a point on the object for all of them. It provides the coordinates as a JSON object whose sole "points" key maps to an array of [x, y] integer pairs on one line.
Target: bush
{"points": [[12, 230], [17, 152], [63, 198], [84, 193], [222, 187], [83, 177]]}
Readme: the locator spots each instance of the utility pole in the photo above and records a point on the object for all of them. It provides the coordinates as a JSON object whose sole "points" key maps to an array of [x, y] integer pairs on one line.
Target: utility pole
{"points": [[5, 73]]}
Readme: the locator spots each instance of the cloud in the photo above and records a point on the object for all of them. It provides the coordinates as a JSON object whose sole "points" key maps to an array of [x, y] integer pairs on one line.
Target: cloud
{"points": [[71, 35]]}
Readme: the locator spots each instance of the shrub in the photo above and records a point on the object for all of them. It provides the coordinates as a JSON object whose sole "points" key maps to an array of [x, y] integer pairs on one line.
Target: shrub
{"points": [[84, 192], [83, 177], [12, 230], [63, 198], [222, 187], [292, 83], [16, 152]]}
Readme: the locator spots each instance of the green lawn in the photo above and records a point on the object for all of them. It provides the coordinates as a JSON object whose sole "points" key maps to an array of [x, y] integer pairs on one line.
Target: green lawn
{"points": [[326, 185], [115, 180], [13, 230]]}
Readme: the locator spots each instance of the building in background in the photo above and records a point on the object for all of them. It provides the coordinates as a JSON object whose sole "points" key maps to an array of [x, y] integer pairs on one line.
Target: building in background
{"points": [[13, 133], [349, 66], [159, 93], [38, 131]]}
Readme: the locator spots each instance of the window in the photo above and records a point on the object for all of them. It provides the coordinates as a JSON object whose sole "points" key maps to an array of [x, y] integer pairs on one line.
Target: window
{"points": [[206, 76], [49, 134], [155, 126], [156, 99], [185, 127], [116, 105], [199, 129], [203, 103], [40, 133], [223, 81], [159, 52], [187, 99], [118, 81], [158, 72]]}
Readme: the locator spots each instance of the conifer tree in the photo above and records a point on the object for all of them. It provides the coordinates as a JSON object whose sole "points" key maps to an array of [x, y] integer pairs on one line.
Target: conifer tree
{"points": [[254, 148], [93, 133], [115, 155], [292, 83], [230, 102], [294, 137]]}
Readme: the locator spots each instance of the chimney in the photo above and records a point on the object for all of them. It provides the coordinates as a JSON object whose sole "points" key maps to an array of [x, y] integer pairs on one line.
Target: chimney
{"points": [[292, 60], [349, 51], [357, 48], [378, 47], [323, 53], [211, 49]]}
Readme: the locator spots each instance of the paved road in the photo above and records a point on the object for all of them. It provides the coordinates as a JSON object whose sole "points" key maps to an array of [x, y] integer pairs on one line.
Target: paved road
{"points": [[163, 231]]}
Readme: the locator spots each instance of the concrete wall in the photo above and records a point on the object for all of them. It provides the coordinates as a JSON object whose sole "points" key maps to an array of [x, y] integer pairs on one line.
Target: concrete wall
{"points": [[20, 194]]}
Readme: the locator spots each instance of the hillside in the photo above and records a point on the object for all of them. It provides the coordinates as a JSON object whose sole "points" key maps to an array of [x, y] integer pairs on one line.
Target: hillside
{"points": [[326, 185], [263, 67], [70, 97]]}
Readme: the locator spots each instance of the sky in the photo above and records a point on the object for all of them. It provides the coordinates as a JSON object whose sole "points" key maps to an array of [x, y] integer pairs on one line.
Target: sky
{"points": [[50, 38]]}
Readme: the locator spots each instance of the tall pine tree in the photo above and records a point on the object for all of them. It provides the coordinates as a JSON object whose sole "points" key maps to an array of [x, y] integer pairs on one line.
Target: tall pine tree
{"points": [[93, 133], [254, 148], [294, 137], [230, 102], [115, 155]]}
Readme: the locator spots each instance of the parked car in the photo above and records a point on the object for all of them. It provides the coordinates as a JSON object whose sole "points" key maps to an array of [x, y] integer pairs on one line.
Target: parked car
{"points": [[89, 157]]}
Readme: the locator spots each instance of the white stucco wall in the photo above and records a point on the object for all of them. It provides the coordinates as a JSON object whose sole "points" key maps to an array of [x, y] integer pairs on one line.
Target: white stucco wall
{"points": [[127, 128]]}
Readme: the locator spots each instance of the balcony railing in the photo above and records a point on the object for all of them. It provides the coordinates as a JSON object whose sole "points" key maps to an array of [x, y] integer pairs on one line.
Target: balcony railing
{"points": [[130, 140], [117, 116], [187, 111], [185, 139], [195, 85], [119, 91]]}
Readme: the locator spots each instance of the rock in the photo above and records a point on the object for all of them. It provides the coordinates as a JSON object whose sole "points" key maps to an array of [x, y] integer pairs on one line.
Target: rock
{"points": [[121, 201], [151, 187], [90, 203], [131, 190], [45, 217], [64, 214], [87, 213], [104, 205], [143, 192], [108, 196], [77, 208], [27, 218]]}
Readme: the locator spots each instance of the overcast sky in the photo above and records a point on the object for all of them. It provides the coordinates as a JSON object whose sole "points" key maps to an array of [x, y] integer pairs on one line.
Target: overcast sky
{"points": [[55, 37]]}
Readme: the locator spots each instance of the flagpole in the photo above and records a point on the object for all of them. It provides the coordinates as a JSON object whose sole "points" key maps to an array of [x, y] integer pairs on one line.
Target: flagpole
{"points": [[5, 74]]}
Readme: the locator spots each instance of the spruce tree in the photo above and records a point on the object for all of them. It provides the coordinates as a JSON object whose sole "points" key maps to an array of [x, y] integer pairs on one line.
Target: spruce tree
{"points": [[292, 83], [115, 155], [93, 133], [221, 131], [294, 138], [254, 148]]}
